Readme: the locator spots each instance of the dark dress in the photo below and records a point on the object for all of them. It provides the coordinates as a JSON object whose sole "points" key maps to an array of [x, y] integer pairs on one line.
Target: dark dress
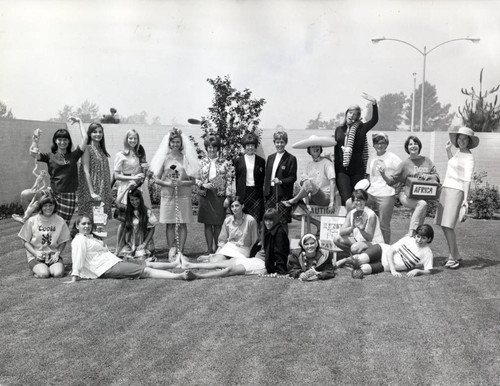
{"points": [[322, 262]]}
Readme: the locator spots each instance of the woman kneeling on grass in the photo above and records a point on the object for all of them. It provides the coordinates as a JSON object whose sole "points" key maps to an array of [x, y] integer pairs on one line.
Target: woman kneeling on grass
{"points": [[45, 236], [310, 262], [92, 260], [411, 254]]}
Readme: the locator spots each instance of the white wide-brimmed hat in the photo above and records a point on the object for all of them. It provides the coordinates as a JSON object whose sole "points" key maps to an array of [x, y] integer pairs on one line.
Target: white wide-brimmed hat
{"points": [[314, 140], [473, 139]]}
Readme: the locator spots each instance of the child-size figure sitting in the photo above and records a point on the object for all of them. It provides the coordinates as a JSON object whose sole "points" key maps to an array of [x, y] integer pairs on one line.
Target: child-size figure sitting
{"points": [[411, 254], [310, 262]]}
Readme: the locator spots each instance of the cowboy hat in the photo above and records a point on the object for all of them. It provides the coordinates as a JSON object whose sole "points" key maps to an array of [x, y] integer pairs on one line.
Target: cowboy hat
{"points": [[473, 140], [314, 140]]}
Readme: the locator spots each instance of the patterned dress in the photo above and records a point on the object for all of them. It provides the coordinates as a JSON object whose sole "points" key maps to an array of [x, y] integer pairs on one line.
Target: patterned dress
{"points": [[184, 193], [101, 182]]}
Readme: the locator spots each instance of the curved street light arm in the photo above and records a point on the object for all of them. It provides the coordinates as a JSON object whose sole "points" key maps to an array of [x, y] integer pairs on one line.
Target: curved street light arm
{"points": [[473, 40], [376, 40]]}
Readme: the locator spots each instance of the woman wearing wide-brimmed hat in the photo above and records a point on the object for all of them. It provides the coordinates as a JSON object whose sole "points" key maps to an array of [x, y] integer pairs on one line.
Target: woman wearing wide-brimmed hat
{"points": [[317, 185], [456, 185]]}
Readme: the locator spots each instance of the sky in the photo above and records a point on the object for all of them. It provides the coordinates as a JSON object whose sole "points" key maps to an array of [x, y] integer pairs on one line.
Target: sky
{"points": [[303, 57]]}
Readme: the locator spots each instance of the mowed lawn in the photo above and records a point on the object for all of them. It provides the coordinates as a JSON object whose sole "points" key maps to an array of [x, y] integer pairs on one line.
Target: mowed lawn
{"points": [[440, 329]]}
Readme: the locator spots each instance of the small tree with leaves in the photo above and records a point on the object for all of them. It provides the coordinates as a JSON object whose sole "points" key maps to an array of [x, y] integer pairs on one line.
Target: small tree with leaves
{"points": [[233, 114], [479, 114]]}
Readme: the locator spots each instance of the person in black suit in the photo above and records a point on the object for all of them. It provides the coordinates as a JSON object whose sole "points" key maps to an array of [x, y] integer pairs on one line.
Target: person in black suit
{"points": [[250, 171], [281, 174]]}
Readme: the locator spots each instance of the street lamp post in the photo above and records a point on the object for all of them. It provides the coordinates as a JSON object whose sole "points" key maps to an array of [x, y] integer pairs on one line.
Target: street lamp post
{"points": [[424, 53], [413, 102]]}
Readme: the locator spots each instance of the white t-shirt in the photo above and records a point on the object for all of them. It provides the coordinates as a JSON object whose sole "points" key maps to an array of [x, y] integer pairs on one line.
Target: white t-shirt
{"points": [[44, 233], [408, 255], [378, 186]]}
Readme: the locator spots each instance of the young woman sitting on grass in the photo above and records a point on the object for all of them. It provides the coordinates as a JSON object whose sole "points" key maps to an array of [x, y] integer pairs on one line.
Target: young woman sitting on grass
{"points": [[276, 245], [411, 254], [45, 236], [92, 260], [237, 237], [310, 262], [361, 227], [135, 233]]}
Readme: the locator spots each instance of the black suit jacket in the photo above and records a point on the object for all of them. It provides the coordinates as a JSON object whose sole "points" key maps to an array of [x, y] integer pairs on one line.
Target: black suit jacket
{"points": [[240, 171], [286, 173]]}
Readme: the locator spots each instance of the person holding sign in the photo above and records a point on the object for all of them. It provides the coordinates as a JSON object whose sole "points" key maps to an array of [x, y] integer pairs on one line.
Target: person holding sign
{"points": [[416, 166]]}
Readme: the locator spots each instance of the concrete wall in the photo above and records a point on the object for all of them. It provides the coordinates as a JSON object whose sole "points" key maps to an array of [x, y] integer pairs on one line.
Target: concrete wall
{"points": [[16, 165]]}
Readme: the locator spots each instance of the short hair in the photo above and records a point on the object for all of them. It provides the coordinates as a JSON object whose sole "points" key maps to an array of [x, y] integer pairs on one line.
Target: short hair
{"points": [[271, 214], [380, 136], [416, 140], [359, 194], [425, 230], [47, 199], [280, 134], [309, 149], [212, 140], [250, 138], [61, 133]]}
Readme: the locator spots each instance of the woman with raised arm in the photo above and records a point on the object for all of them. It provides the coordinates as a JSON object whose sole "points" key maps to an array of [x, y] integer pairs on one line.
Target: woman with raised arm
{"points": [[92, 260], [351, 150], [94, 185], [456, 185], [175, 168], [62, 166]]}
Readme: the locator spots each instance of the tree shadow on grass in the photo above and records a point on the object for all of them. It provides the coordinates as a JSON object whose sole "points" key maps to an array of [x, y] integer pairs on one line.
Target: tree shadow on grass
{"points": [[477, 263]]}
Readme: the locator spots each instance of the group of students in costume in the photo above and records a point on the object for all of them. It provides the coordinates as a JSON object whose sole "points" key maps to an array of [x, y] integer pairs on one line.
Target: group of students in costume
{"points": [[257, 192]]}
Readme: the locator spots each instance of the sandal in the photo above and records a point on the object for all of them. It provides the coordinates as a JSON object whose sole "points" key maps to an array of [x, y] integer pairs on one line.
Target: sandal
{"points": [[452, 264]]}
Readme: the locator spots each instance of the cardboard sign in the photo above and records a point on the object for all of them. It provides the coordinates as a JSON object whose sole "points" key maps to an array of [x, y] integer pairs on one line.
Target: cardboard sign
{"points": [[423, 190], [100, 220]]}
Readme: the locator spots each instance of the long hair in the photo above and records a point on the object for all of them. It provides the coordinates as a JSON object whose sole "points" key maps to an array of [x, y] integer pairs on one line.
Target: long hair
{"points": [[129, 212], [74, 229], [61, 133], [138, 149], [102, 143]]}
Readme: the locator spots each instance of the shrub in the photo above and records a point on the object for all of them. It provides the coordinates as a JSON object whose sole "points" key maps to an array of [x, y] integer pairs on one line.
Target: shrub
{"points": [[484, 199], [8, 210]]}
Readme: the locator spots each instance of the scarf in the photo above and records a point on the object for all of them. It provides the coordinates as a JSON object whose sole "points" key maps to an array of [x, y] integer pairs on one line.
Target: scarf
{"points": [[349, 143]]}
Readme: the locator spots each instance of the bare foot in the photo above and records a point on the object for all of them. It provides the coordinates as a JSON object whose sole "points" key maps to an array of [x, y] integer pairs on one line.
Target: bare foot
{"points": [[184, 261]]}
